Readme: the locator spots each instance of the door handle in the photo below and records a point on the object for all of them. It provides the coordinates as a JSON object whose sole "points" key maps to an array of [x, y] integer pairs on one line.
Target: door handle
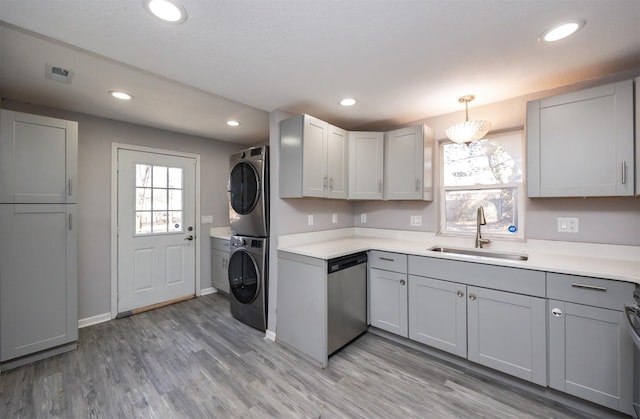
{"points": [[189, 238]]}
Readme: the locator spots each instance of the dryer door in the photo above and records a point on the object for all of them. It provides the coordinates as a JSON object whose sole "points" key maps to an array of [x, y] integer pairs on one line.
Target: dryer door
{"points": [[244, 188], [244, 277]]}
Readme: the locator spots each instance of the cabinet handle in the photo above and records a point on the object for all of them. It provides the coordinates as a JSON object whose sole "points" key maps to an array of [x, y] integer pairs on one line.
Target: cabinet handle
{"points": [[417, 185], [589, 287], [402, 282], [624, 172], [70, 219], [387, 259], [379, 186], [472, 297], [556, 312], [72, 194], [460, 294]]}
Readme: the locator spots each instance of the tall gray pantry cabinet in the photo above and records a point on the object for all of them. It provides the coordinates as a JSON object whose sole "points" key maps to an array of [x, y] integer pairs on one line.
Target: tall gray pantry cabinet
{"points": [[38, 245]]}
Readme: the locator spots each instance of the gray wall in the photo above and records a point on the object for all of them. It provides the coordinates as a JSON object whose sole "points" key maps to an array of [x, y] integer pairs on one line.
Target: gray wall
{"points": [[602, 220], [95, 137]]}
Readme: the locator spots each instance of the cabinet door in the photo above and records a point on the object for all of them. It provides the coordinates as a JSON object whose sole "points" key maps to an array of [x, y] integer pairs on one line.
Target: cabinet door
{"points": [[507, 332], [337, 162], [590, 354], [582, 143], [366, 150], [438, 314], [403, 171], [38, 278], [314, 158], [219, 266], [388, 301], [38, 159]]}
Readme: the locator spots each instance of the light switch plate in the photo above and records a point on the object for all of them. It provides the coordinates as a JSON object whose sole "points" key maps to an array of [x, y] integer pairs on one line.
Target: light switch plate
{"points": [[334, 218], [415, 220], [568, 225], [207, 219], [363, 218], [310, 219]]}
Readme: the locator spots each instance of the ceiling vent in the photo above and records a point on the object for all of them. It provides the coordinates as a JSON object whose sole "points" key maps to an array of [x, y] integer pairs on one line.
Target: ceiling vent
{"points": [[63, 75]]}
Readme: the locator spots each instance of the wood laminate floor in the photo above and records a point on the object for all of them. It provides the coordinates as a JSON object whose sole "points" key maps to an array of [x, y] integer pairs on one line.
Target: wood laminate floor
{"points": [[193, 360]]}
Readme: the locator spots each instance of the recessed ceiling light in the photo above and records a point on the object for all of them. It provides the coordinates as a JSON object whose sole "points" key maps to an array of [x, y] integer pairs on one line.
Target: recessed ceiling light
{"points": [[166, 10], [119, 94], [233, 123], [348, 101], [561, 31]]}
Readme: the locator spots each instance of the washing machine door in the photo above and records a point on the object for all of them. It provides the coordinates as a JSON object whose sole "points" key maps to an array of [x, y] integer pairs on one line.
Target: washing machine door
{"points": [[244, 188], [244, 280]]}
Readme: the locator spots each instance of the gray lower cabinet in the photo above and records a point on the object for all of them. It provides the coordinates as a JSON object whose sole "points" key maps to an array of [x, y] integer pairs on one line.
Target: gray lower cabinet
{"points": [[507, 332], [220, 264], [388, 301], [438, 314], [501, 330], [302, 306], [590, 352], [38, 278], [388, 292]]}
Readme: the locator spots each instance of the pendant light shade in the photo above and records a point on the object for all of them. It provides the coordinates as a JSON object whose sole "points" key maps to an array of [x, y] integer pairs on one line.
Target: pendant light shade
{"points": [[468, 131]]}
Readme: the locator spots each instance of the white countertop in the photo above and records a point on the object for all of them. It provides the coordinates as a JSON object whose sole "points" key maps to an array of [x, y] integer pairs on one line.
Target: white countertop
{"points": [[220, 232], [586, 259]]}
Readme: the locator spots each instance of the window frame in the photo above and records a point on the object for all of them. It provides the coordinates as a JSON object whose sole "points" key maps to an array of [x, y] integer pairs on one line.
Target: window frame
{"points": [[519, 235]]}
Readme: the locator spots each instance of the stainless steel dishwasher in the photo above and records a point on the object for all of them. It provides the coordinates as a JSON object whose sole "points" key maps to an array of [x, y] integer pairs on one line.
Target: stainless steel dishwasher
{"points": [[347, 300]]}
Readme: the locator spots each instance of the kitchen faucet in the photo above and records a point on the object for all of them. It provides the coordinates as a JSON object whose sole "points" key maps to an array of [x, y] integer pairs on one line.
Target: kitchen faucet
{"points": [[480, 221]]}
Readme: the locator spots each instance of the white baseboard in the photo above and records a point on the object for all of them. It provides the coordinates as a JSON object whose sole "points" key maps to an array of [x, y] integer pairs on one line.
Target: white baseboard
{"points": [[270, 335], [90, 321], [207, 291]]}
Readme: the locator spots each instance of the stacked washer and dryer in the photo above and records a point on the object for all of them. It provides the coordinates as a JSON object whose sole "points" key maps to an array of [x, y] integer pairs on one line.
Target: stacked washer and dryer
{"points": [[249, 244]]}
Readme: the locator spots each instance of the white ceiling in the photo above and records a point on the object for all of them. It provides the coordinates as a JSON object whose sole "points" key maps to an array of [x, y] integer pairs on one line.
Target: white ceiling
{"points": [[404, 60]]}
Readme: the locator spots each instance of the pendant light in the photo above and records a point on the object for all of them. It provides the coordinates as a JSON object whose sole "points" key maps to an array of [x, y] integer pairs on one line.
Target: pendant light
{"points": [[468, 131]]}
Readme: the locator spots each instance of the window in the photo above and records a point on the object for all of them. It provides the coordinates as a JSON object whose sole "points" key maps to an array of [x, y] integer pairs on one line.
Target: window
{"points": [[158, 199], [488, 173]]}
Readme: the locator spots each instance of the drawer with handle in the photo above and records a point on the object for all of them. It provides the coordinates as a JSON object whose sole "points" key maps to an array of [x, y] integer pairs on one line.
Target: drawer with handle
{"points": [[597, 292], [388, 261]]}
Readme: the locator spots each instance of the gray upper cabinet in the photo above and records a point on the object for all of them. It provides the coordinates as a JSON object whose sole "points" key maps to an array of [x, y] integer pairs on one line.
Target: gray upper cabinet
{"points": [[366, 165], [408, 172], [313, 159], [38, 159], [581, 144]]}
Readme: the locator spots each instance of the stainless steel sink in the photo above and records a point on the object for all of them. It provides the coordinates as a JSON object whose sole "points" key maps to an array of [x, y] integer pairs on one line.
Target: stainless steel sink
{"points": [[478, 252]]}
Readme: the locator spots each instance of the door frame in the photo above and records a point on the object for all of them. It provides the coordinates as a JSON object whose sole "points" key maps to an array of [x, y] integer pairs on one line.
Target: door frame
{"points": [[115, 147]]}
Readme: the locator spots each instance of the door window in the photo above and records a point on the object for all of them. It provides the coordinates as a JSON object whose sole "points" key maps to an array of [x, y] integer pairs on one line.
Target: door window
{"points": [[159, 200]]}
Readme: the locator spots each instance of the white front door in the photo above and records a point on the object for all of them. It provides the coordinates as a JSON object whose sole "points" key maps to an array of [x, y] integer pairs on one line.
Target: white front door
{"points": [[156, 228]]}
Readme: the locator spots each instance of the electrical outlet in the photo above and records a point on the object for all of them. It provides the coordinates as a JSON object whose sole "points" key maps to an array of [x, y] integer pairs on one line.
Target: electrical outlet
{"points": [[363, 218], [207, 219], [568, 225], [415, 220], [310, 219]]}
